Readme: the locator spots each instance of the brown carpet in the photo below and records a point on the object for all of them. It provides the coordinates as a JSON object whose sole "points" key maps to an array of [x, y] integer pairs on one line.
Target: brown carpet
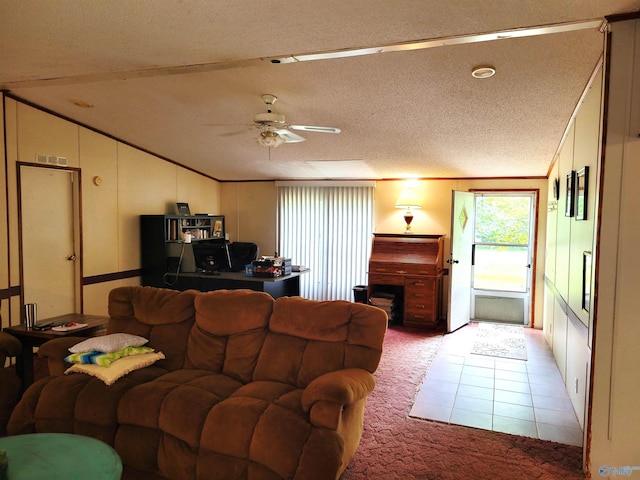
{"points": [[395, 446]]}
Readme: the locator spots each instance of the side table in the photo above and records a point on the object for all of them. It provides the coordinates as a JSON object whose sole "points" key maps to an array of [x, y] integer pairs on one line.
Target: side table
{"points": [[29, 338], [60, 456]]}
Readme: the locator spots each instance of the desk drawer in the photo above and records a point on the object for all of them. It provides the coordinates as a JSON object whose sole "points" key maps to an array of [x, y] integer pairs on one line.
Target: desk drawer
{"points": [[402, 268], [420, 319], [385, 279], [419, 286], [420, 301], [419, 309]]}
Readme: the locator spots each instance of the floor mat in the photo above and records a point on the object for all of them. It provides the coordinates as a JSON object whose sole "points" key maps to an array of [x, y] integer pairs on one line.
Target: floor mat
{"points": [[500, 340]]}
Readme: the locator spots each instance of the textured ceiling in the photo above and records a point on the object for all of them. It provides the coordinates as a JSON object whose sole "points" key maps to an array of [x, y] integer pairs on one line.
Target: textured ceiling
{"points": [[184, 79]]}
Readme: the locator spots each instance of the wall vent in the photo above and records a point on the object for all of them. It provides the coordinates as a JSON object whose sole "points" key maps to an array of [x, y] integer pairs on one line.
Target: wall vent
{"points": [[51, 159]]}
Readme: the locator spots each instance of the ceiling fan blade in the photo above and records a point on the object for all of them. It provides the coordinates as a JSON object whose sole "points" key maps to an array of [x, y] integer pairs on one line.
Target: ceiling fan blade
{"points": [[289, 137], [233, 134], [317, 129], [218, 125]]}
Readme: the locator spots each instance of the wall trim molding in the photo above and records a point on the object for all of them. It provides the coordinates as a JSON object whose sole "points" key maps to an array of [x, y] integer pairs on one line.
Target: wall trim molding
{"points": [[110, 277], [580, 327]]}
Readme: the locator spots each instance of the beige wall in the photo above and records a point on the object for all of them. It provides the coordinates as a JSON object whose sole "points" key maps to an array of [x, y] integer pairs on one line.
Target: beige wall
{"points": [[615, 427], [111, 207], [566, 322], [250, 210]]}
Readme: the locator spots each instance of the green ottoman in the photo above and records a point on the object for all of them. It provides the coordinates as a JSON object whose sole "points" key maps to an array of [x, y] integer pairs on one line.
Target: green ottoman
{"points": [[60, 456]]}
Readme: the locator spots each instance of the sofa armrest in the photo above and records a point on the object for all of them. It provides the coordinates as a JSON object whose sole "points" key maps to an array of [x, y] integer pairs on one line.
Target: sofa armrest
{"points": [[55, 351], [343, 387], [334, 394], [10, 346]]}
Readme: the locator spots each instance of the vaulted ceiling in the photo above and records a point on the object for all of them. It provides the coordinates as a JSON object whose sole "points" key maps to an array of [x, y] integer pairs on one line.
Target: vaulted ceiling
{"points": [[184, 79]]}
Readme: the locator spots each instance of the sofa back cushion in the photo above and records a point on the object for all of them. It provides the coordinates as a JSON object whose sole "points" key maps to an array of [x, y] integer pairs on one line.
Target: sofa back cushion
{"points": [[229, 332], [309, 338], [163, 316]]}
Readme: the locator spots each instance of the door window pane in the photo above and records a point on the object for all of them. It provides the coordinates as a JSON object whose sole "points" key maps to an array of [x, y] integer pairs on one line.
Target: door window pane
{"points": [[503, 219], [501, 268], [502, 234]]}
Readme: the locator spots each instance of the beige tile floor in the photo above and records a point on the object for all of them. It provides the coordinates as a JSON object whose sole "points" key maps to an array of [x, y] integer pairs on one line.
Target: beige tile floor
{"points": [[512, 396]]}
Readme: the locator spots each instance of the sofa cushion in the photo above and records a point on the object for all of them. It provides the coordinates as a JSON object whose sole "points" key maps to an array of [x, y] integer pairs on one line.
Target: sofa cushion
{"points": [[82, 404], [163, 316], [78, 403], [266, 434], [169, 413], [309, 338], [229, 332]]}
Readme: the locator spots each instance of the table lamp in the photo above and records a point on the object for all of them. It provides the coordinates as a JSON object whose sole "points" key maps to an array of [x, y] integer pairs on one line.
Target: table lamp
{"points": [[408, 199]]}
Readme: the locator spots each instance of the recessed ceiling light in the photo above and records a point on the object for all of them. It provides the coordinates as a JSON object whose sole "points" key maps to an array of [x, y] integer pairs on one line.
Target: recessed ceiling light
{"points": [[483, 72], [81, 103]]}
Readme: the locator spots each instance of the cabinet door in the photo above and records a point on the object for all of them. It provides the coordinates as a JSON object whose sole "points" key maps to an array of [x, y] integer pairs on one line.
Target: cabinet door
{"points": [[420, 301]]}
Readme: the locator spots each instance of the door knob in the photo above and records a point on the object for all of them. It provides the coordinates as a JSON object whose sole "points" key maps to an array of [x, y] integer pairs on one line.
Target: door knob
{"points": [[451, 261], [71, 257]]}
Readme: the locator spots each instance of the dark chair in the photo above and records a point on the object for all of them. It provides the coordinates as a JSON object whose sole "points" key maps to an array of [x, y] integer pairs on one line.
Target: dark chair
{"points": [[242, 253], [9, 382]]}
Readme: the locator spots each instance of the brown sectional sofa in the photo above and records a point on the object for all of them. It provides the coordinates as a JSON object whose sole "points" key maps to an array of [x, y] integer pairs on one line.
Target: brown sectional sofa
{"points": [[251, 387], [9, 382]]}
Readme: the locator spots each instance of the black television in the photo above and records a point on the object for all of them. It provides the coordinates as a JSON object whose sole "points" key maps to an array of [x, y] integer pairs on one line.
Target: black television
{"points": [[212, 256]]}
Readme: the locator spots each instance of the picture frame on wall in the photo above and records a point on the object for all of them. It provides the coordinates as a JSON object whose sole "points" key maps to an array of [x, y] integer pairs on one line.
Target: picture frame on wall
{"points": [[582, 190], [556, 189], [569, 209], [586, 281], [182, 208]]}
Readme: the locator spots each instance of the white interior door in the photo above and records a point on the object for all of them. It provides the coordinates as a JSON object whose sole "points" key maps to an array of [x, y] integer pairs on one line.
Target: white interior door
{"points": [[48, 240], [462, 219]]}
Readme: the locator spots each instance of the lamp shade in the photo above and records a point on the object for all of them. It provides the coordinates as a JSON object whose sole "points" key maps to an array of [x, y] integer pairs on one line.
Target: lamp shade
{"points": [[408, 199], [269, 138]]}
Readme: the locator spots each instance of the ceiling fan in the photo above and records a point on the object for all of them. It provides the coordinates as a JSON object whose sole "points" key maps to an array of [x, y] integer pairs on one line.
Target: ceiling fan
{"points": [[274, 131]]}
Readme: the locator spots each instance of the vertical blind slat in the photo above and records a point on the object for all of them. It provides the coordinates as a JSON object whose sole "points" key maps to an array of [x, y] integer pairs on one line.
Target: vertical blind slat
{"points": [[327, 229]]}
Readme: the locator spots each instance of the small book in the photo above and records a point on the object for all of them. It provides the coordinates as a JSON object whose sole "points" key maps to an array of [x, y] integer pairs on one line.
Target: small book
{"points": [[69, 326]]}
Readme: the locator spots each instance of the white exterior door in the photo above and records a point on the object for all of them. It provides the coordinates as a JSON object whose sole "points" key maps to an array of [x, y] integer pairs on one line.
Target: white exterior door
{"points": [[462, 219]]}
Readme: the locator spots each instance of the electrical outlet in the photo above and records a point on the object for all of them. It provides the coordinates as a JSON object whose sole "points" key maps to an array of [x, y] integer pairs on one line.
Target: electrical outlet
{"points": [[576, 385]]}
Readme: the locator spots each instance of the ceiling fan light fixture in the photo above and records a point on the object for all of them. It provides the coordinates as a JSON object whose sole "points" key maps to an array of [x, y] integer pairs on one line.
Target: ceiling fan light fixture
{"points": [[268, 138], [483, 71]]}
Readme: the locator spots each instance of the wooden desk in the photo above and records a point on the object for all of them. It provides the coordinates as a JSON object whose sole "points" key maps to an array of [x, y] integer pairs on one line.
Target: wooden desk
{"points": [[30, 338], [411, 266], [285, 286]]}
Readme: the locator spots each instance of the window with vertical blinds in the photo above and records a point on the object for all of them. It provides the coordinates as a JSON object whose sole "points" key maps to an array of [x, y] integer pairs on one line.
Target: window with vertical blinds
{"points": [[327, 229]]}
